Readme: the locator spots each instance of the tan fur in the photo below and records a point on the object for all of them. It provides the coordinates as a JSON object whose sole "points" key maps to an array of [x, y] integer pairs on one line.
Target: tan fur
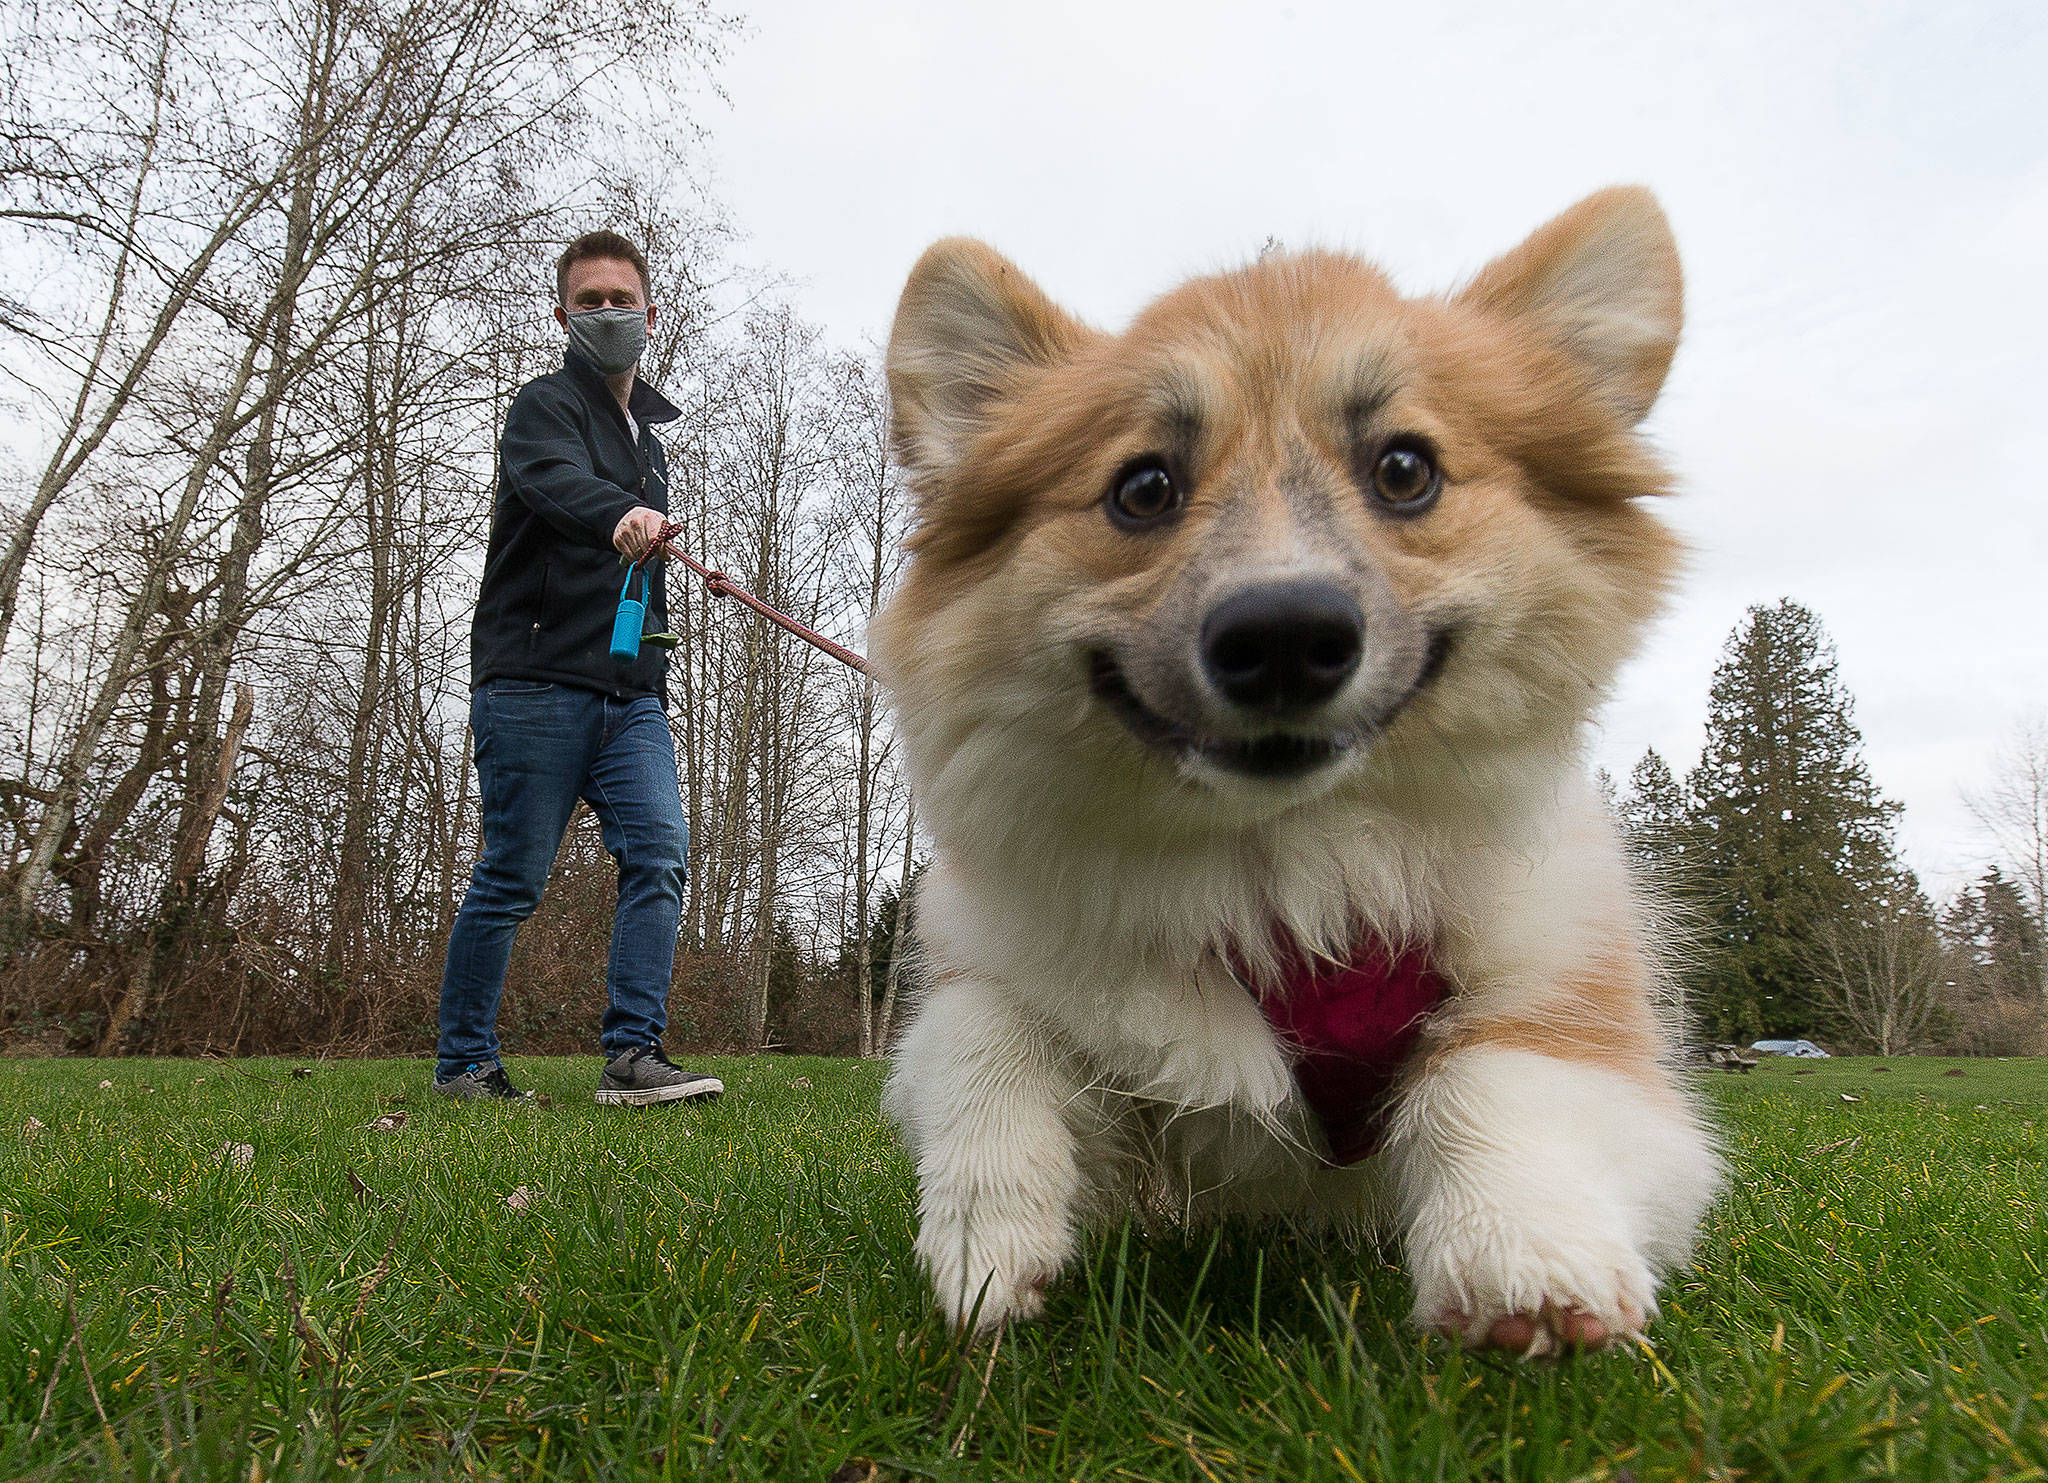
{"points": [[1091, 885]]}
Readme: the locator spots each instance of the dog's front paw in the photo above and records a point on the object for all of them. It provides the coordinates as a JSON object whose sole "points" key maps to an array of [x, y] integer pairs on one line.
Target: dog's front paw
{"points": [[1535, 1287], [989, 1272]]}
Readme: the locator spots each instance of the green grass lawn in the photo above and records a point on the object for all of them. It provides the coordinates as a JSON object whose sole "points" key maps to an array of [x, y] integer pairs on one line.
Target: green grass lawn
{"points": [[729, 1292]]}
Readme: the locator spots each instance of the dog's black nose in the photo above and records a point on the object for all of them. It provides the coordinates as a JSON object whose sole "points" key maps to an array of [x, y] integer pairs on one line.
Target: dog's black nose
{"points": [[1282, 646]]}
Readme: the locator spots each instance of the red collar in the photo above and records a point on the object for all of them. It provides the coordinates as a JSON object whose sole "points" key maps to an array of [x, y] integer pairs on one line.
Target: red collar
{"points": [[1352, 1026]]}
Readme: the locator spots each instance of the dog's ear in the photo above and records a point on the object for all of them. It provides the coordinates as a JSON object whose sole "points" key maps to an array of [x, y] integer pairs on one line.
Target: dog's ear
{"points": [[1602, 281], [968, 324]]}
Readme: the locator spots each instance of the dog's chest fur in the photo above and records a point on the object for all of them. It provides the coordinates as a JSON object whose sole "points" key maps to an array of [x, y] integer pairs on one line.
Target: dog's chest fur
{"points": [[1137, 960]]}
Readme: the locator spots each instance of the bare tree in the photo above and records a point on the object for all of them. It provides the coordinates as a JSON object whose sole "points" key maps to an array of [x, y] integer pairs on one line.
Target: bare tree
{"points": [[899, 932], [2013, 810], [95, 156], [294, 233], [1884, 976], [303, 251], [874, 524]]}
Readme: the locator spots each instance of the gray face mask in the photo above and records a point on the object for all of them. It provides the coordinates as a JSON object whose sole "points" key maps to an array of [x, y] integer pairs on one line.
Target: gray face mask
{"points": [[610, 339]]}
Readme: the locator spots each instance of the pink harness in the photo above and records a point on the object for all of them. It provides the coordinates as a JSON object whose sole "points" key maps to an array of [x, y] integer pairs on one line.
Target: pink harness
{"points": [[1352, 1025]]}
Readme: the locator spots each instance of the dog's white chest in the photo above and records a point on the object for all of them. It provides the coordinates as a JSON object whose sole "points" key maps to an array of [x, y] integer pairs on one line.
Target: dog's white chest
{"points": [[1198, 1042]]}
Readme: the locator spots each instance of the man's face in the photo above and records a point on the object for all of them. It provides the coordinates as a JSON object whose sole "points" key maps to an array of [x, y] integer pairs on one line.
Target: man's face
{"points": [[602, 283]]}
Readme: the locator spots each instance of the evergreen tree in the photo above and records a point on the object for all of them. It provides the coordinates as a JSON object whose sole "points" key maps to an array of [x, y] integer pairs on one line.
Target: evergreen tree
{"points": [[1787, 836], [1990, 931], [788, 974], [1653, 819], [881, 934]]}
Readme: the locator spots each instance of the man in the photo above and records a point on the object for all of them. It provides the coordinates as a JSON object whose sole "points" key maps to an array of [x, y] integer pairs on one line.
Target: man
{"points": [[581, 481]]}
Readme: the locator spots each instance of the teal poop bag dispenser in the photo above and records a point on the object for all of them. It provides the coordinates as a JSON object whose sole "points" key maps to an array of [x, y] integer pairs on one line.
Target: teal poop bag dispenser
{"points": [[631, 619]]}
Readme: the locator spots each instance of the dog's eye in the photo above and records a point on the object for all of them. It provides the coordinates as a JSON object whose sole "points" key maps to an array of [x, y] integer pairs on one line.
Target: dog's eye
{"points": [[1142, 492], [1405, 476]]}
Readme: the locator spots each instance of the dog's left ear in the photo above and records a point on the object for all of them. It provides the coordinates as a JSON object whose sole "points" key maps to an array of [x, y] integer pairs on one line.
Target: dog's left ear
{"points": [[968, 326], [1601, 281]]}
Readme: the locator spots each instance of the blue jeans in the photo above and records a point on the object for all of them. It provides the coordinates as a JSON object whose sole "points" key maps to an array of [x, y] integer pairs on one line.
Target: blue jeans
{"points": [[539, 748]]}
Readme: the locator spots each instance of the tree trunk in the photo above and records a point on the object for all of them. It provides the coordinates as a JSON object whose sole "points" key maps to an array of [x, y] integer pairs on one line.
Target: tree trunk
{"points": [[179, 895], [898, 936]]}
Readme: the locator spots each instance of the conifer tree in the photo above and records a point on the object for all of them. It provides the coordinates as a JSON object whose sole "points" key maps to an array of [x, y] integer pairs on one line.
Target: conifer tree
{"points": [[1788, 838], [1653, 819], [1990, 930]]}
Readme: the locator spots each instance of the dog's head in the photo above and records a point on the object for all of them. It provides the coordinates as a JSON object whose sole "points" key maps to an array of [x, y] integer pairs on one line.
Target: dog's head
{"points": [[1290, 527]]}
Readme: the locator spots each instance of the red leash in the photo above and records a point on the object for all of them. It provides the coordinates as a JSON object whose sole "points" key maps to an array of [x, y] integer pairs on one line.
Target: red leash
{"points": [[718, 584]]}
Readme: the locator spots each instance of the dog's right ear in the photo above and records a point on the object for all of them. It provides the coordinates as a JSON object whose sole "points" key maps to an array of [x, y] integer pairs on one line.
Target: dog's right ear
{"points": [[1602, 282], [968, 325]]}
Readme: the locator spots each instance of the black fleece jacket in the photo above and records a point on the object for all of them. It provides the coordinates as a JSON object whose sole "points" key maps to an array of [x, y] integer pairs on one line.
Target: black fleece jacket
{"points": [[568, 471]]}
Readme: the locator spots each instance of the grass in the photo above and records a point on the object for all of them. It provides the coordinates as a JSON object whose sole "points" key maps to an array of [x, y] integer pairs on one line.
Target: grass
{"points": [[728, 1292]]}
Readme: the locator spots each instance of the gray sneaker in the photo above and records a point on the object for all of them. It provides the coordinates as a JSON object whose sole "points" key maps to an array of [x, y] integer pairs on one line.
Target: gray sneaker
{"points": [[484, 1081], [642, 1076]]}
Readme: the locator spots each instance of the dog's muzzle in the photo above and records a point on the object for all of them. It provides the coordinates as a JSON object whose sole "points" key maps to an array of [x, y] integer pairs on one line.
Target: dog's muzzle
{"points": [[1273, 659]]}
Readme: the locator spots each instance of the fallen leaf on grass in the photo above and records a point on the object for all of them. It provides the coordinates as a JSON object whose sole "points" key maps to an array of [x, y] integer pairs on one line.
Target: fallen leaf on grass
{"points": [[300, 1073], [1847, 1098], [106, 1086], [1848, 1143], [519, 1199], [1982, 1108], [241, 1155], [33, 1125], [803, 1084], [857, 1470], [390, 1122], [359, 1189], [542, 1099]]}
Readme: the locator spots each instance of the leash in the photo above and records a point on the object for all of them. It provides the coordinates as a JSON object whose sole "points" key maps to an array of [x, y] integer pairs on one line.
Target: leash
{"points": [[718, 584]]}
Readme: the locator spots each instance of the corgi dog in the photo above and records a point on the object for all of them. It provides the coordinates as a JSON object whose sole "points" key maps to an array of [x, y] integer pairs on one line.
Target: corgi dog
{"points": [[1243, 664]]}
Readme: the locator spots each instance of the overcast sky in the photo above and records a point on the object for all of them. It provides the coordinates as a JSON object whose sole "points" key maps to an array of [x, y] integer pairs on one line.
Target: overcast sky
{"points": [[1860, 194]]}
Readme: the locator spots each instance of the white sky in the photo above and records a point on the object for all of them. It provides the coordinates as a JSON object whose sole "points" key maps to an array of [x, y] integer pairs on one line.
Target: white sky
{"points": [[1860, 192]]}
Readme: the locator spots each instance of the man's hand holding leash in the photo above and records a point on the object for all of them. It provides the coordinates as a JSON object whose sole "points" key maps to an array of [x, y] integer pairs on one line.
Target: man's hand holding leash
{"points": [[638, 533]]}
